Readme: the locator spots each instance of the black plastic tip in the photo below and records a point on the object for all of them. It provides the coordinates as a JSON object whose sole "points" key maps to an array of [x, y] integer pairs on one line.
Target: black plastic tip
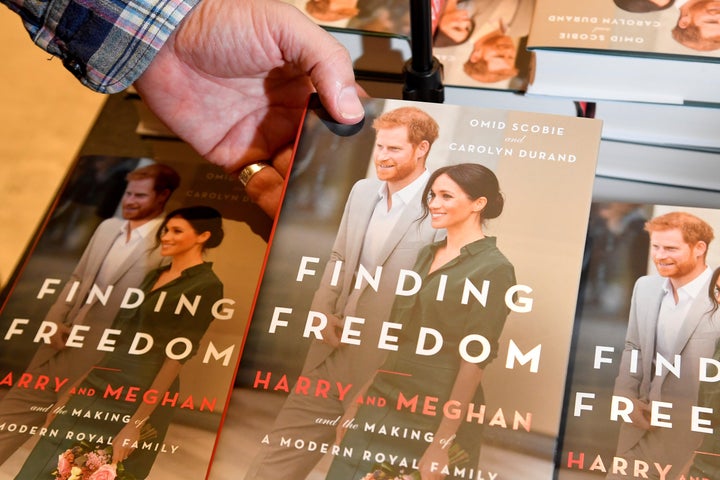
{"points": [[424, 86]]}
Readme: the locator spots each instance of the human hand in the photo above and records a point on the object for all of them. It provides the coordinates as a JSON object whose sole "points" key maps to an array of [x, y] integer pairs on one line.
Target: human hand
{"points": [[433, 461], [233, 79], [59, 338], [123, 442], [265, 190], [331, 332], [640, 414]]}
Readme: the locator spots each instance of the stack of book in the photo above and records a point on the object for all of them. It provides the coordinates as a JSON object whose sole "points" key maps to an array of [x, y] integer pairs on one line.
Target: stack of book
{"points": [[659, 51], [650, 67]]}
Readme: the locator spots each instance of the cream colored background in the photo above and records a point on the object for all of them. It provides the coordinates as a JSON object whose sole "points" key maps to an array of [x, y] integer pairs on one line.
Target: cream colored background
{"points": [[44, 116]]}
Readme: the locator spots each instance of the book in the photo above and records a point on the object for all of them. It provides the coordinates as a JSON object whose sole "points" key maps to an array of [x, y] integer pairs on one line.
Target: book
{"points": [[596, 440], [545, 167], [659, 165], [617, 52], [376, 33], [662, 124], [489, 50], [466, 34], [116, 338]]}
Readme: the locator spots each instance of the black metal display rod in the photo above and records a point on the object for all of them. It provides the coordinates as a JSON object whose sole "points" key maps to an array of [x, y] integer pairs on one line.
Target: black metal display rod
{"points": [[422, 73]]}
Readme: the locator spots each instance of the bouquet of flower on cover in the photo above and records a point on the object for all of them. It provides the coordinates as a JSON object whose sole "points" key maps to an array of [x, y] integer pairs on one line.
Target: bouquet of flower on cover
{"points": [[386, 471], [88, 462]]}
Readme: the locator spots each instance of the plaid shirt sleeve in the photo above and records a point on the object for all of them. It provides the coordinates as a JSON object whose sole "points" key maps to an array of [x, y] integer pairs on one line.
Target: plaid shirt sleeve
{"points": [[107, 44]]}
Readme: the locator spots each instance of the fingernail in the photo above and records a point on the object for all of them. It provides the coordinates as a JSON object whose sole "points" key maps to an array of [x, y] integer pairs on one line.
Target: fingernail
{"points": [[349, 104]]}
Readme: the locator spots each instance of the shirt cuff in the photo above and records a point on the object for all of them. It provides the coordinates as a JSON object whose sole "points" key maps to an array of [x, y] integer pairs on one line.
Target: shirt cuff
{"points": [[108, 44]]}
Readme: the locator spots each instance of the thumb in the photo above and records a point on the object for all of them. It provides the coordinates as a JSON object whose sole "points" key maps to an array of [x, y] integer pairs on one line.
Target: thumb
{"points": [[328, 64]]}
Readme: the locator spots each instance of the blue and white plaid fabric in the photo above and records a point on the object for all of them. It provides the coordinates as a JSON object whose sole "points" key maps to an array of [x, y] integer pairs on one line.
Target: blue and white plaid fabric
{"points": [[107, 44]]}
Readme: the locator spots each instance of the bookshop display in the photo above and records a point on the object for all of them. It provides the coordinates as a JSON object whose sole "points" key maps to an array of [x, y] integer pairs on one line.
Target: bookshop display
{"points": [[521, 283]]}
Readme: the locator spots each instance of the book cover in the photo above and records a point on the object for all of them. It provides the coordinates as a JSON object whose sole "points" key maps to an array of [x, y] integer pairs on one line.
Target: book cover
{"points": [[644, 364], [659, 165], [379, 16], [120, 344], [376, 33], [480, 43], [642, 50], [679, 126], [346, 308], [627, 26]]}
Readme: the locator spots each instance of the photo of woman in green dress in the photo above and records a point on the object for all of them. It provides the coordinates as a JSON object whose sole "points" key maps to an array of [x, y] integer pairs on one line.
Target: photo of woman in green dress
{"points": [[134, 424], [460, 199]]}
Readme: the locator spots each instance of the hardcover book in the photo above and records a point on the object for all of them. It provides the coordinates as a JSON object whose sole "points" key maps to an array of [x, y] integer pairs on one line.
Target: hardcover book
{"points": [[642, 399], [659, 165], [376, 33], [674, 126], [122, 327], [659, 51], [416, 307], [480, 43]]}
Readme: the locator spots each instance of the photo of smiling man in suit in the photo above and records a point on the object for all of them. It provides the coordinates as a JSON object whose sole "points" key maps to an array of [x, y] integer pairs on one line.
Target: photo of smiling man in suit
{"points": [[119, 254], [671, 320], [379, 228]]}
